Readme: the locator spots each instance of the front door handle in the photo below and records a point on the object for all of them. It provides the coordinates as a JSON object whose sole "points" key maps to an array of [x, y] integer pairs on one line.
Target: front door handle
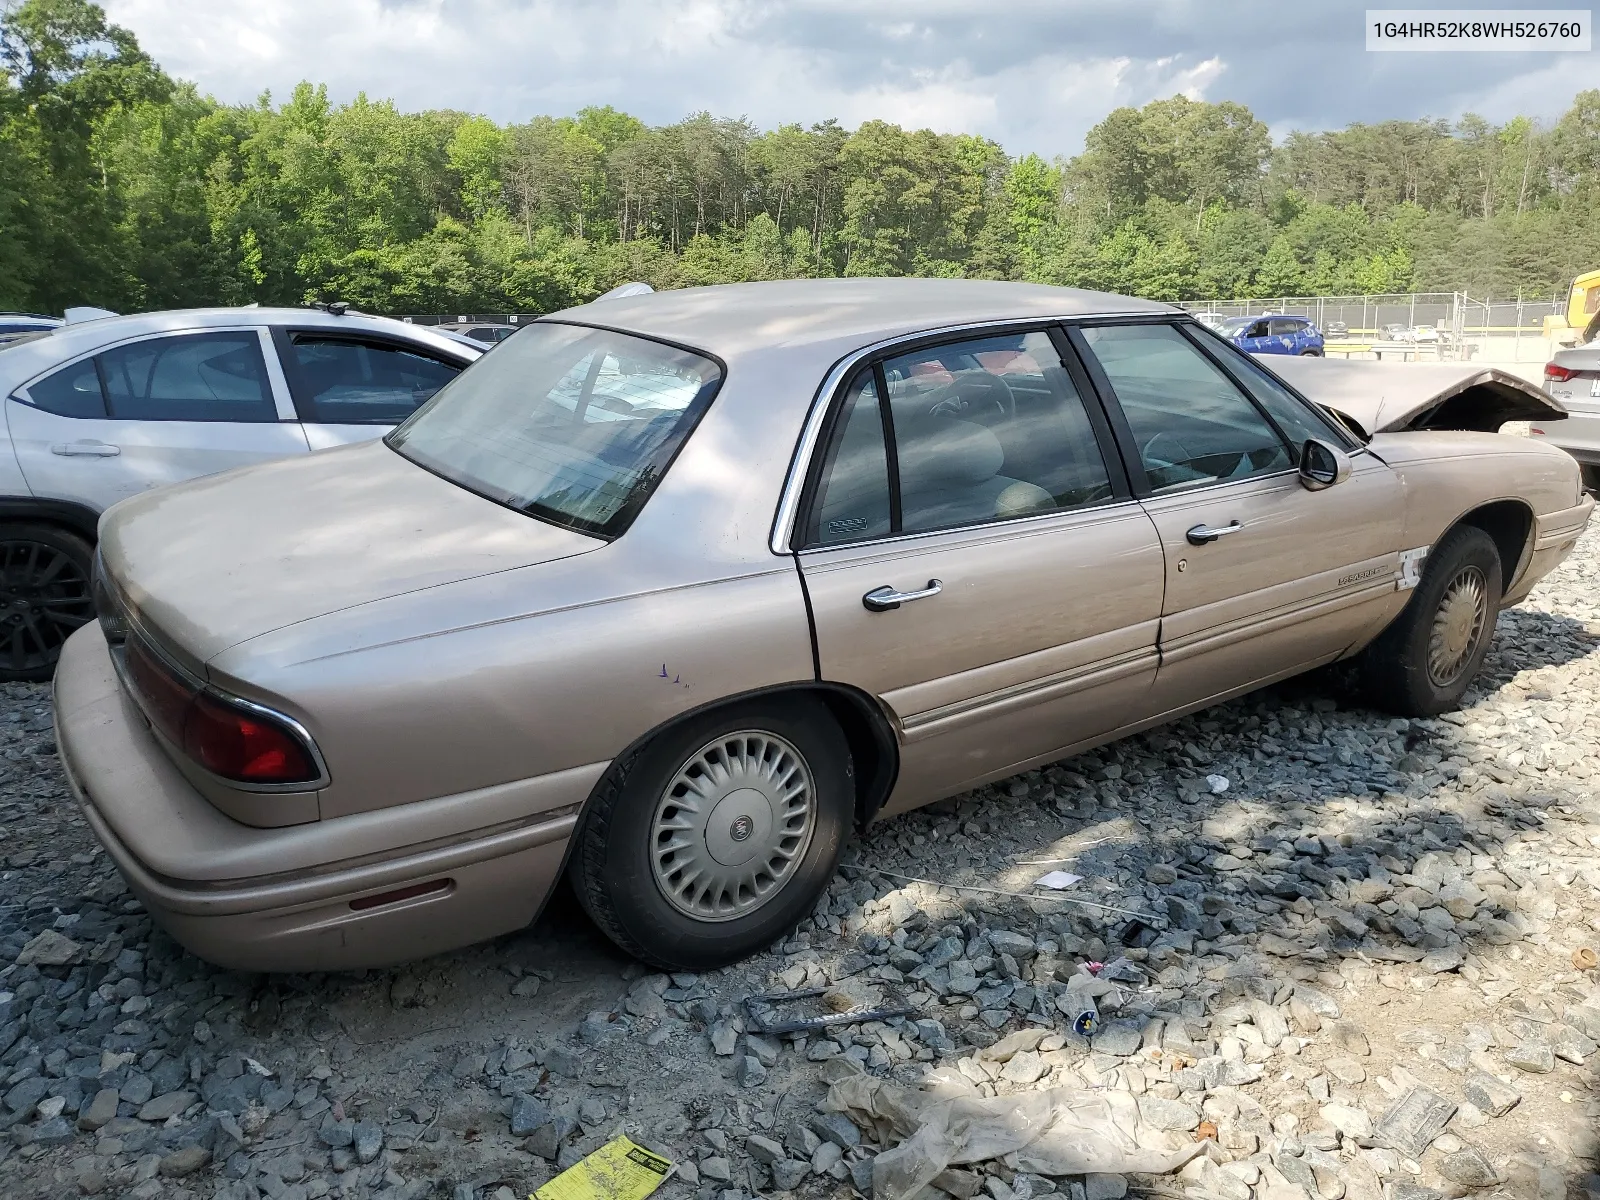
{"points": [[885, 598], [1202, 535], [86, 449]]}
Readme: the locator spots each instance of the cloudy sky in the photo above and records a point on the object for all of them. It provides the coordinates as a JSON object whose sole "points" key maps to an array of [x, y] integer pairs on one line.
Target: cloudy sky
{"points": [[1033, 74]]}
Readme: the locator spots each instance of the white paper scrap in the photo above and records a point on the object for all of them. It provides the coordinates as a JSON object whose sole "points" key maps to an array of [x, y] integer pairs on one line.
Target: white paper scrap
{"points": [[1058, 880]]}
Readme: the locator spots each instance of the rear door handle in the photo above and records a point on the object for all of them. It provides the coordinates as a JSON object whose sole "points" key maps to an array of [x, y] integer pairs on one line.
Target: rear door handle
{"points": [[1201, 535], [86, 449], [885, 598]]}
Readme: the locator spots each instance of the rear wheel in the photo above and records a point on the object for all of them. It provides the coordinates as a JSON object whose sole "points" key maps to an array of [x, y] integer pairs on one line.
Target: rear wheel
{"points": [[1422, 664], [44, 597], [714, 839]]}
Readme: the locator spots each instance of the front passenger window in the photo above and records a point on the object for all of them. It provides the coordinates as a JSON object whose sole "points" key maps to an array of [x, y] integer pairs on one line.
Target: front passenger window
{"points": [[1191, 424]]}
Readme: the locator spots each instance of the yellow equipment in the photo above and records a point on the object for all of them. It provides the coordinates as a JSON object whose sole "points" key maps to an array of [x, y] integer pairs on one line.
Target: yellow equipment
{"points": [[1583, 309]]}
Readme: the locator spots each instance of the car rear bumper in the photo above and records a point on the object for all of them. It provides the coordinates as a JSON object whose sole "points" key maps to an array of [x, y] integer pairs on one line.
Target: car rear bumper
{"points": [[256, 916]]}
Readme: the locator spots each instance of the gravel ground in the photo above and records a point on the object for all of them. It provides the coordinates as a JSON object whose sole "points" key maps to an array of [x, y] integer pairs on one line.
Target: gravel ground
{"points": [[1376, 918]]}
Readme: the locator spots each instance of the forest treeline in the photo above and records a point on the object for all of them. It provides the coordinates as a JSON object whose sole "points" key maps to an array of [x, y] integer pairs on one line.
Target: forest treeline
{"points": [[125, 188]]}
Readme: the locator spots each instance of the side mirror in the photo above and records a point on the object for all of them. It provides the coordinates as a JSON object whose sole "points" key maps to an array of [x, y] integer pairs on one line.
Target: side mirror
{"points": [[1322, 465]]}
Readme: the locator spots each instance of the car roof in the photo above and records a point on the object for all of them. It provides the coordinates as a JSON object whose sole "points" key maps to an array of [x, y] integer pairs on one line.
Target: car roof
{"points": [[732, 319], [23, 361]]}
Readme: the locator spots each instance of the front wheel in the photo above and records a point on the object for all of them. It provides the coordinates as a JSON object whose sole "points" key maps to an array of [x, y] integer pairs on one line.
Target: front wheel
{"points": [[714, 839], [1422, 664], [44, 597]]}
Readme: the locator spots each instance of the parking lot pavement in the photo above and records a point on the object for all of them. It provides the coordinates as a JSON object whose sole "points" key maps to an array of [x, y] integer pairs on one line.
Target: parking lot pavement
{"points": [[1359, 966]]}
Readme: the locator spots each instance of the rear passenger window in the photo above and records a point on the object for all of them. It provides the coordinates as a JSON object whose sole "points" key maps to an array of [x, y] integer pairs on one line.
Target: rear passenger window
{"points": [[348, 381], [853, 493], [71, 392], [984, 430], [189, 377], [1191, 424]]}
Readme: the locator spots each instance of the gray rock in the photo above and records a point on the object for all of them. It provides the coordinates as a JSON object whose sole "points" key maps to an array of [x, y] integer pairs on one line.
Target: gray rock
{"points": [[166, 1106], [861, 1175], [1469, 1167], [184, 1161], [1172, 1115], [1489, 1095], [527, 1114], [836, 1128], [1273, 1025], [368, 1141], [724, 1037], [24, 1097], [716, 1168], [546, 1141], [100, 1110], [50, 949], [55, 1131], [1101, 1186], [564, 1061], [748, 1071], [336, 1135], [790, 1173], [763, 1149], [1533, 1056], [1118, 1038]]}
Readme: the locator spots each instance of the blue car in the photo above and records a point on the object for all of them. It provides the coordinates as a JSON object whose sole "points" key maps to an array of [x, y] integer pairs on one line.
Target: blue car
{"points": [[1273, 335]]}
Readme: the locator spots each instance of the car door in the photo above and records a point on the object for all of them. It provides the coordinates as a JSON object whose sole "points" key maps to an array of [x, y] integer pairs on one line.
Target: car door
{"points": [[973, 562], [151, 411], [353, 387], [1264, 578]]}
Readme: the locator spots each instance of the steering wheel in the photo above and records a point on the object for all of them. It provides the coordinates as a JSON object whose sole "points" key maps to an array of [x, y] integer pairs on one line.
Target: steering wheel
{"points": [[977, 395]]}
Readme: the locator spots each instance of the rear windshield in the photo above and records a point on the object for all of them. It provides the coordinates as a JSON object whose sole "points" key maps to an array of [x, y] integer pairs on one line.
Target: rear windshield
{"points": [[572, 425]]}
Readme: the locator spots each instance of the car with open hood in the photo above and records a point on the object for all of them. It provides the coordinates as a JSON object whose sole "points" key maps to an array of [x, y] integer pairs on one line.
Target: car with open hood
{"points": [[673, 592]]}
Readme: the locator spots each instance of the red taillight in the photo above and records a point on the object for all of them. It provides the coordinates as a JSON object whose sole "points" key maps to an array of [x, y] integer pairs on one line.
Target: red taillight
{"points": [[1557, 374], [229, 740], [239, 744], [166, 696]]}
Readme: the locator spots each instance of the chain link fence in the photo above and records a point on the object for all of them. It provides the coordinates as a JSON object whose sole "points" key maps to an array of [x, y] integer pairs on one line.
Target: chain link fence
{"points": [[1445, 325]]}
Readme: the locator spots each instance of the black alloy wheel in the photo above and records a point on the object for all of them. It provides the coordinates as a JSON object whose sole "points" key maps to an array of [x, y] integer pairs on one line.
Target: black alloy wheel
{"points": [[44, 597]]}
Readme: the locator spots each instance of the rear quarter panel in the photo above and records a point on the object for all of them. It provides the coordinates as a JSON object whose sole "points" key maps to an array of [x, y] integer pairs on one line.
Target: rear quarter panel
{"points": [[488, 698]]}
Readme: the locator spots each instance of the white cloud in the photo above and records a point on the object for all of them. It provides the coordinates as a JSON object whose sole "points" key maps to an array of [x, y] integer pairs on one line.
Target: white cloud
{"points": [[1034, 75]]}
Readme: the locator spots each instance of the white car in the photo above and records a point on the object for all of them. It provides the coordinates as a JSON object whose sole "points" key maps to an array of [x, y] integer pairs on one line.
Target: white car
{"points": [[103, 409], [1573, 378]]}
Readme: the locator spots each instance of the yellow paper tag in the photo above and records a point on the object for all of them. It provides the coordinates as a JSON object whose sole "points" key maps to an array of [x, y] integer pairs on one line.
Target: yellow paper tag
{"points": [[619, 1170]]}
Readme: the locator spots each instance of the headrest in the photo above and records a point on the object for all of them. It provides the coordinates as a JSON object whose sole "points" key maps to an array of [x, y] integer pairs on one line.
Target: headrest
{"points": [[938, 450]]}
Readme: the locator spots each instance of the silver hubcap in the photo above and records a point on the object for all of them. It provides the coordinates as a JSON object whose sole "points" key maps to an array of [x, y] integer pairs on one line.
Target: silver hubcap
{"points": [[732, 826], [1457, 627]]}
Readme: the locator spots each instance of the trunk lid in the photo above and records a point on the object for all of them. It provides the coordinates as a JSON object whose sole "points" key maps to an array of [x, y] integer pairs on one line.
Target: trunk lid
{"points": [[214, 561], [1387, 397]]}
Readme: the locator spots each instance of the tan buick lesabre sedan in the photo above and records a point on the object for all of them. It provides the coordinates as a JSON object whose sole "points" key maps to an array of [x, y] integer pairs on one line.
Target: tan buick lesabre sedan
{"points": [[673, 592]]}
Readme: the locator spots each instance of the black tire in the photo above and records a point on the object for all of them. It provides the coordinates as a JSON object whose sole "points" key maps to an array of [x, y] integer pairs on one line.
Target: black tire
{"points": [[1311, 354], [611, 863], [44, 596], [1400, 672]]}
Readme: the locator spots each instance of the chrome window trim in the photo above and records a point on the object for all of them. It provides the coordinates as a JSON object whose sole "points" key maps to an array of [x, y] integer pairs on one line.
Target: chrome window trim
{"points": [[146, 642], [788, 511], [1109, 506]]}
